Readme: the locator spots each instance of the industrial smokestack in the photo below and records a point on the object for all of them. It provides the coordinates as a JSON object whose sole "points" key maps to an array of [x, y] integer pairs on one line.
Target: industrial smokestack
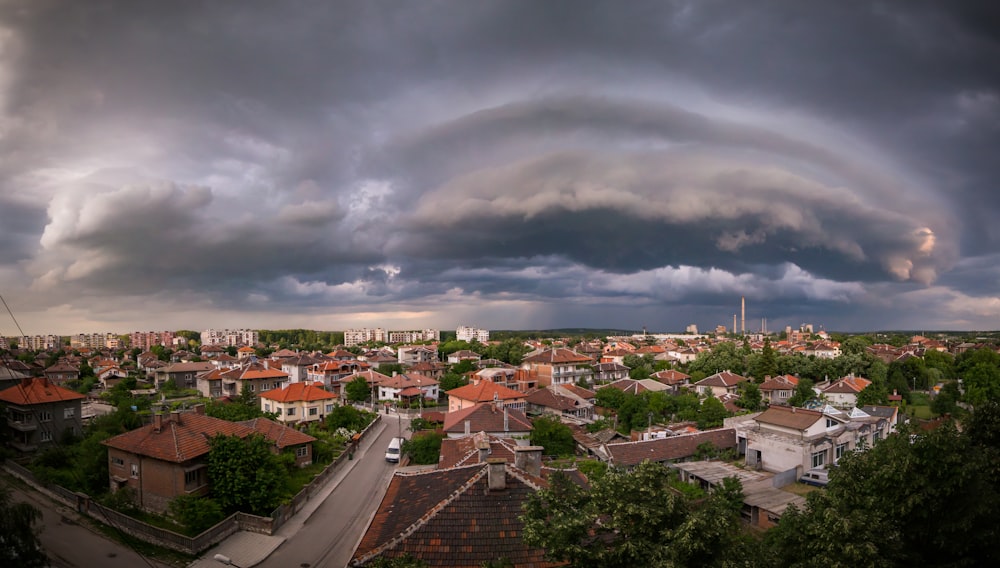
{"points": [[743, 315]]}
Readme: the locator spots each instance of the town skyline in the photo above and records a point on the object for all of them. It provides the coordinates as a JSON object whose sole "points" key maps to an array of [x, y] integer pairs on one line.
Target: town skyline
{"points": [[510, 165]]}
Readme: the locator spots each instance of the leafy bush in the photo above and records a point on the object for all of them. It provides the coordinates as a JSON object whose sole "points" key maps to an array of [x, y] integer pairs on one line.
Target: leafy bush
{"points": [[197, 514], [424, 449]]}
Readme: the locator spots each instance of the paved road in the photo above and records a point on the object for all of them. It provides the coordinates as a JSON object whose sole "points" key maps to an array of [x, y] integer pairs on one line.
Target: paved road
{"points": [[329, 536], [70, 545]]}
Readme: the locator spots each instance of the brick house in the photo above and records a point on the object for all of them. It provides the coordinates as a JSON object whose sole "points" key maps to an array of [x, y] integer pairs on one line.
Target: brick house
{"points": [[169, 458], [61, 373], [558, 366], [39, 412], [484, 391], [720, 383]]}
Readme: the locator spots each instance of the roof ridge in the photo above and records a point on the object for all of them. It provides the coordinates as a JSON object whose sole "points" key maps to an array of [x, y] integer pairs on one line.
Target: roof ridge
{"points": [[427, 517]]}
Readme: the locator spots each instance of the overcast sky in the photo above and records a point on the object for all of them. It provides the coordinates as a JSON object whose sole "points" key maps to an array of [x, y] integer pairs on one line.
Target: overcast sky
{"points": [[508, 165]]}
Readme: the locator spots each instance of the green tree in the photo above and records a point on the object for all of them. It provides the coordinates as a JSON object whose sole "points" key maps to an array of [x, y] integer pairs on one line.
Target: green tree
{"points": [[874, 394], [19, 543], [766, 365], [712, 413], [723, 357], [245, 475], [632, 518], [463, 366], [452, 381], [348, 417], [553, 435], [982, 383], [803, 393], [946, 401], [357, 389], [424, 449], [750, 398], [932, 495], [238, 410]]}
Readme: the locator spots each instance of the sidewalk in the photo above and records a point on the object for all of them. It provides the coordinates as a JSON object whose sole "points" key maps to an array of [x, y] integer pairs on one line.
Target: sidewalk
{"points": [[245, 549]]}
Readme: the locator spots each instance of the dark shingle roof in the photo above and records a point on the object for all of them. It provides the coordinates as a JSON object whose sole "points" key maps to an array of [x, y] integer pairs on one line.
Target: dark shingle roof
{"points": [[668, 449]]}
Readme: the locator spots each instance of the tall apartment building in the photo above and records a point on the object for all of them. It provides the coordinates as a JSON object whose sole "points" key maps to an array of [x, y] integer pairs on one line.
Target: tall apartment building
{"points": [[145, 340], [230, 337], [354, 337], [95, 340], [34, 342], [414, 336], [466, 333]]}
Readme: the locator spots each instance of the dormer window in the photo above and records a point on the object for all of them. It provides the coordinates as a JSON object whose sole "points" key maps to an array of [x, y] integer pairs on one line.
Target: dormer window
{"points": [[831, 423]]}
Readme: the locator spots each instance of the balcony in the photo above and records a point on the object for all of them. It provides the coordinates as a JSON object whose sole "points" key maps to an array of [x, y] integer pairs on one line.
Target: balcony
{"points": [[23, 425]]}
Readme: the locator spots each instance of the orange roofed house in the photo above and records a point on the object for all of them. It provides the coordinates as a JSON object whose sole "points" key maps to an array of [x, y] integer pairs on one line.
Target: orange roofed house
{"points": [[39, 412], [299, 402], [169, 457]]}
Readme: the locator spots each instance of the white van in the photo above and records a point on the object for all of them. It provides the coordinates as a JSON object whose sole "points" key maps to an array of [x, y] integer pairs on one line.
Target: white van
{"points": [[393, 451], [817, 476]]}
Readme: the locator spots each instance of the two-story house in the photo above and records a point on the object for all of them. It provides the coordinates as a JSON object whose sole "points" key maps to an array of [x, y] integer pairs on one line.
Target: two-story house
{"points": [[169, 458], [39, 412], [720, 384], [484, 391], [559, 366], [299, 402], [777, 390], [844, 393], [408, 387]]}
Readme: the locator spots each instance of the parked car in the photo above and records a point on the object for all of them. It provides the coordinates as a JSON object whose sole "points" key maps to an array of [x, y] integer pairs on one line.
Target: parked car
{"points": [[392, 453], [817, 476]]}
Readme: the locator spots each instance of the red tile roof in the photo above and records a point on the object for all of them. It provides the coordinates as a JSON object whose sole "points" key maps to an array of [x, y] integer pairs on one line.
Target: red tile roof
{"points": [[789, 417], [279, 434], [721, 379], [299, 392], [558, 356], [185, 436], [487, 418], [848, 385], [484, 392], [403, 380], [37, 391]]}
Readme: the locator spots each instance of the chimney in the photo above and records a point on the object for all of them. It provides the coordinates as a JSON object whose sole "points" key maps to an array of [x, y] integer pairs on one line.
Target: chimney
{"points": [[483, 445], [497, 473], [506, 420], [199, 409], [529, 459], [175, 416], [468, 427], [157, 422]]}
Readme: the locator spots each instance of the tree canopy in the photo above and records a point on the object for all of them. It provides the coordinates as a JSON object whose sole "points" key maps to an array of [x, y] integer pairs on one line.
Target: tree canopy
{"points": [[553, 435], [19, 543], [633, 518], [246, 476]]}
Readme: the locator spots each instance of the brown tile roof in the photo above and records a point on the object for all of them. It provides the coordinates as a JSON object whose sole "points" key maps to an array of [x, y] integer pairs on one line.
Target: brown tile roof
{"points": [[296, 392], [181, 438], [579, 391], [185, 436], [463, 451], [404, 380], [450, 518], [721, 379], [485, 417], [789, 417], [37, 391], [670, 376], [558, 355], [671, 448], [280, 435], [549, 399], [484, 392], [777, 383]]}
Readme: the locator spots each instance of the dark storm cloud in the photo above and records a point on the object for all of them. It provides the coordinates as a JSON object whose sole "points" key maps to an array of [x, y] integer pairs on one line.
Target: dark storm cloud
{"points": [[443, 156]]}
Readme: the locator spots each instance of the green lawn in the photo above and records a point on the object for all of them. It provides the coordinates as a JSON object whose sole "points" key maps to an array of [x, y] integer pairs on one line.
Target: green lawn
{"points": [[920, 399], [922, 411]]}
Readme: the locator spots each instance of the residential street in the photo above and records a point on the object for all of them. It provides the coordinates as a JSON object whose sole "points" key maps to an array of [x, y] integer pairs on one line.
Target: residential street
{"points": [[70, 545], [329, 536]]}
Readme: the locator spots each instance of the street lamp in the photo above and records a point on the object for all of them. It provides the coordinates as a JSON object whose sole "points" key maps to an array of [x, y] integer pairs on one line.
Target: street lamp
{"points": [[225, 560]]}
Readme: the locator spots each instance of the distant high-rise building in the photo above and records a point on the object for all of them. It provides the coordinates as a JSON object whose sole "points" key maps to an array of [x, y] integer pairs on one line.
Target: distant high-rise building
{"points": [[414, 336], [466, 333], [33, 342], [691, 329], [230, 337], [145, 340], [354, 337]]}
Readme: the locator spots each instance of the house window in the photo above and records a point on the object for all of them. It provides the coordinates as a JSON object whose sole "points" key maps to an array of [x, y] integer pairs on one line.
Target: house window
{"points": [[329, 408], [830, 423], [876, 436], [301, 452], [46, 436], [191, 477], [313, 411], [252, 387], [839, 452], [290, 412], [69, 412], [819, 459], [117, 462], [267, 407], [44, 416], [135, 471]]}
